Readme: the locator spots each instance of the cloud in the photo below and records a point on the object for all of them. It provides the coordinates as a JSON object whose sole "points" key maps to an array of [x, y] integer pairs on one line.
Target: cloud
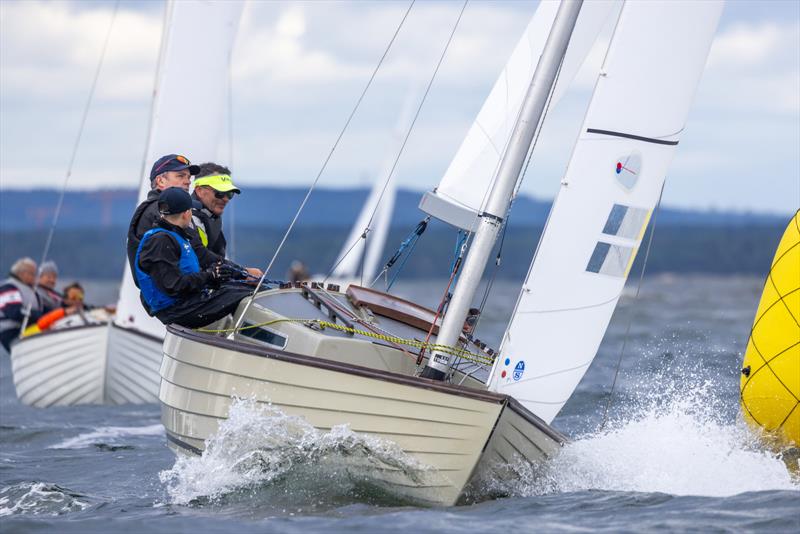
{"points": [[51, 50], [754, 67]]}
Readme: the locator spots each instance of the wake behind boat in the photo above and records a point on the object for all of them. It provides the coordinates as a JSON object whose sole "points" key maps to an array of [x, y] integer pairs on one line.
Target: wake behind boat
{"points": [[392, 369]]}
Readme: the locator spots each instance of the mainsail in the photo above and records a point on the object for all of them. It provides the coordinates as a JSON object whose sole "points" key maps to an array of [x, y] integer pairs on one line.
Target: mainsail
{"points": [[463, 189], [189, 106], [612, 184]]}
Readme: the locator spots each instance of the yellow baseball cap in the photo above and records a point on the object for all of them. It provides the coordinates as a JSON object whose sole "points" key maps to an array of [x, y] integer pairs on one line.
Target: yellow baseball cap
{"points": [[219, 182]]}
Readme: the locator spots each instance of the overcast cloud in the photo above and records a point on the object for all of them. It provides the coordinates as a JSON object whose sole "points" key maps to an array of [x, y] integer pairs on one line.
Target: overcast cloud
{"points": [[298, 67]]}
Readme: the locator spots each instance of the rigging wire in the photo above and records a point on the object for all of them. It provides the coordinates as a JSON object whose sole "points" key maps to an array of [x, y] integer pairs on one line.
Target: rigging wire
{"points": [[390, 175], [324, 164], [73, 155], [232, 208], [630, 317]]}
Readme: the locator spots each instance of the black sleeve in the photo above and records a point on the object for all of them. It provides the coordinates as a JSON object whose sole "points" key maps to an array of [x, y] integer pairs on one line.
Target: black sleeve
{"points": [[159, 258], [148, 220]]}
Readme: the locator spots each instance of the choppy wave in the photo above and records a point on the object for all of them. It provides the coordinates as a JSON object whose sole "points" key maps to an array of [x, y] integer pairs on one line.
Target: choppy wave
{"points": [[258, 445], [39, 498], [108, 435], [675, 436]]}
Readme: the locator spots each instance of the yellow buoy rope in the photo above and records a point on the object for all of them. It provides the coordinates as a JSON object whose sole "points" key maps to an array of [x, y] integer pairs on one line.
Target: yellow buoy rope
{"points": [[318, 324]]}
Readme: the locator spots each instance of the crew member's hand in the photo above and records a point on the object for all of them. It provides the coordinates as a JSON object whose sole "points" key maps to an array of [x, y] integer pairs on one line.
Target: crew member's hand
{"points": [[254, 271], [70, 310], [219, 272]]}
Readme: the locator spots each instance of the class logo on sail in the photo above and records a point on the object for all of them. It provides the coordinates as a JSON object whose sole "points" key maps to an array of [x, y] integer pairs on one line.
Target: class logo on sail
{"points": [[628, 169]]}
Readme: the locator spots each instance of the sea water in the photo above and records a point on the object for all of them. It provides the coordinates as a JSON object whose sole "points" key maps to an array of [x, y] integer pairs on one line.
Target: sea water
{"points": [[670, 453]]}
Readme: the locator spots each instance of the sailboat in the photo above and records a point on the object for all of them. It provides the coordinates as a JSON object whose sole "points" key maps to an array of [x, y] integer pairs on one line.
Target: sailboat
{"points": [[361, 252], [462, 412], [117, 361]]}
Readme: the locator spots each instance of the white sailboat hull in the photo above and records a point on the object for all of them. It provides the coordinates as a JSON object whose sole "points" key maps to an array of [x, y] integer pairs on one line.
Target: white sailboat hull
{"points": [[94, 364], [450, 431]]}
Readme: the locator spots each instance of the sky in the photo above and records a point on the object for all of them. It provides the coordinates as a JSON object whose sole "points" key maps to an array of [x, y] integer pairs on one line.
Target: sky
{"points": [[298, 68]]}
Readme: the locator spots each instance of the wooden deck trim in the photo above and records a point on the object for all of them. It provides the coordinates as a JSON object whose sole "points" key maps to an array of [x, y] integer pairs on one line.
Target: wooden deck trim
{"points": [[400, 310]]}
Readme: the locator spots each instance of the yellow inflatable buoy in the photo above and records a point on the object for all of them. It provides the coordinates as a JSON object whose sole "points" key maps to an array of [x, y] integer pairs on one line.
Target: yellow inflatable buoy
{"points": [[770, 386]]}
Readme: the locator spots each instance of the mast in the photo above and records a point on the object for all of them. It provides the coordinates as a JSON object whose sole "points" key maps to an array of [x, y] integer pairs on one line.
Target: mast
{"points": [[491, 220]]}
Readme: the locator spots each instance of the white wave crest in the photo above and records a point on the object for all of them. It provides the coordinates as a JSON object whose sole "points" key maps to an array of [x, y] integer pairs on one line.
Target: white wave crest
{"points": [[38, 498], [674, 439], [108, 434], [258, 444]]}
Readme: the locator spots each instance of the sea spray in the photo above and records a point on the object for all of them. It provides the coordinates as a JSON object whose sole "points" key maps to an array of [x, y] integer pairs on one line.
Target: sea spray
{"points": [[259, 445], [674, 434]]}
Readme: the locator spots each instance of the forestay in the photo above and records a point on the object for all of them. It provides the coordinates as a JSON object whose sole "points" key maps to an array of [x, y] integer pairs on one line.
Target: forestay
{"points": [[611, 186], [189, 106], [463, 189]]}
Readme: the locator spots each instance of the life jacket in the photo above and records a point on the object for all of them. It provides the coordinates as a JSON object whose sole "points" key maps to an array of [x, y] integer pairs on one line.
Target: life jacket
{"points": [[15, 298], [156, 299], [209, 228]]}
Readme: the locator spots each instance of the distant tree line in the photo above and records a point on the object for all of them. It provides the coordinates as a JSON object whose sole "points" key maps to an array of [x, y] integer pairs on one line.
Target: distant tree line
{"points": [[99, 253]]}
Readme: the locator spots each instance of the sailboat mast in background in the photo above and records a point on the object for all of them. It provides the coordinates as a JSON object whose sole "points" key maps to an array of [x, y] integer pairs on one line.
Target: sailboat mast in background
{"points": [[491, 220]]}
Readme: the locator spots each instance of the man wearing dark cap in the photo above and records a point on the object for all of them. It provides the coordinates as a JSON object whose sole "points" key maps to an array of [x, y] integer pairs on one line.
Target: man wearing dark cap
{"points": [[172, 170], [174, 286]]}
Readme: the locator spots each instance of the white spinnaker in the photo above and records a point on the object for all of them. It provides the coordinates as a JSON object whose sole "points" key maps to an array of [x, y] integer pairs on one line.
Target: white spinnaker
{"points": [[637, 111], [189, 107], [464, 186], [352, 253]]}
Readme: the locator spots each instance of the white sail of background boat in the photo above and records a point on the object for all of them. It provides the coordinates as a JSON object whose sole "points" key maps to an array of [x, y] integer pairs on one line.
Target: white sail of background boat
{"points": [[118, 362], [351, 358], [359, 258]]}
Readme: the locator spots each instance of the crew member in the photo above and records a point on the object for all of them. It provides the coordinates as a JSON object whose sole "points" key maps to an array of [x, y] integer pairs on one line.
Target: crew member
{"points": [[16, 297], [172, 170], [48, 277], [174, 285], [213, 188]]}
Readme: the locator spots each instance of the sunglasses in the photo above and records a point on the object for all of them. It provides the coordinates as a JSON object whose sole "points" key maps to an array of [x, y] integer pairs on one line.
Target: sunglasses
{"points": [[180, 159], [227, 194]]}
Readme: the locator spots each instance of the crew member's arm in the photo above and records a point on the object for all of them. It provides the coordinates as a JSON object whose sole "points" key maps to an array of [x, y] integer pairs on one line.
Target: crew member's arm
{"points": [[159, 258]]}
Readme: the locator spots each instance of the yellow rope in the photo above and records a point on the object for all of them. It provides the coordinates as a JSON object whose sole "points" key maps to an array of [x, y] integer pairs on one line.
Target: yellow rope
{"points": [[455, 351]]}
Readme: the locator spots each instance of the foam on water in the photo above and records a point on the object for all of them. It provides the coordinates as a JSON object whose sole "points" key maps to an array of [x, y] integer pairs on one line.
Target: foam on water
{"points": [[106, 434], [675, 437], [39, 498], [259, 444]]}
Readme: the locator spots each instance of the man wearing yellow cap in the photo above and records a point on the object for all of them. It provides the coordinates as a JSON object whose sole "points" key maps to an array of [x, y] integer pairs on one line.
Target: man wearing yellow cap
{"points": [[213, 188]]}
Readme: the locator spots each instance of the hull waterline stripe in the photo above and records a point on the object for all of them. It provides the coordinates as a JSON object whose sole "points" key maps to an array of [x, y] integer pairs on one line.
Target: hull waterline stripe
{"points": [[182, 444], [632, 136]]}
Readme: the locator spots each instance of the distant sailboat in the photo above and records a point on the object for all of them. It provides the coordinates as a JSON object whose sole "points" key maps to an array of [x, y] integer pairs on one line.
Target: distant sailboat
{"points": [[362, 251], [351, 357], [117, 362]]}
